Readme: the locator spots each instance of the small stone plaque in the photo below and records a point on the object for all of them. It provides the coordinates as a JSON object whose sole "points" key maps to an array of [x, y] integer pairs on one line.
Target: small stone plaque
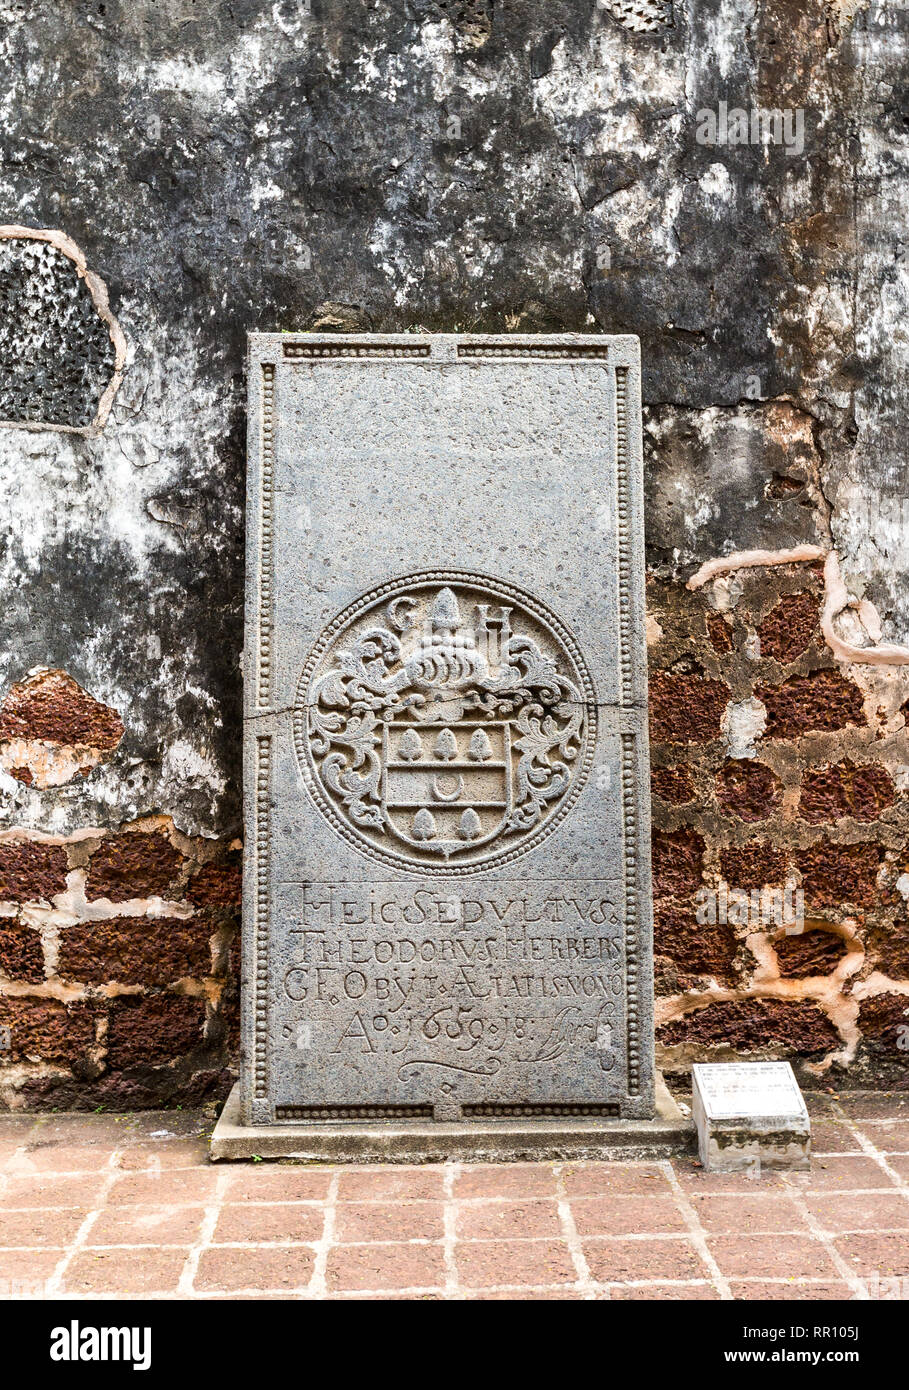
{"points": [[447, 881], [749, 1114]]}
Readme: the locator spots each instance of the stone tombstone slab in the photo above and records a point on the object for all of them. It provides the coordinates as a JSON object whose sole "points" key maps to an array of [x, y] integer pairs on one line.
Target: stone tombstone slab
{"points": [[447, 881], [750, 1115]]}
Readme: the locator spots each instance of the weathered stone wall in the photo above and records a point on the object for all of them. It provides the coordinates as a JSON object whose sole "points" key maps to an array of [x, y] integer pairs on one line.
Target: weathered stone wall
{"points": [[174, 174]]}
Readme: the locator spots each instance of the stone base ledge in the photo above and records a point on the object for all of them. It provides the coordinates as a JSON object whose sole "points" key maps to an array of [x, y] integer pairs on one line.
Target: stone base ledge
{"points": [[476, 1141]]}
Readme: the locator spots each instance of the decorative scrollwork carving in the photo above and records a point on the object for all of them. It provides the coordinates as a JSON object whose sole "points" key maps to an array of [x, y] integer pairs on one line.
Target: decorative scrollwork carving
{"points": [[457, 740]]}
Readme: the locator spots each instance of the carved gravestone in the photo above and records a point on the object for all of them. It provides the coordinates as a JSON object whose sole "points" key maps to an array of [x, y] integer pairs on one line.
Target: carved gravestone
{"points": [[447, 888]]}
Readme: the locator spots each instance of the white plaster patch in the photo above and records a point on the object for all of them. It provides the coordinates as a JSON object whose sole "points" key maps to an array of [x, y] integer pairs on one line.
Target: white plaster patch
{"points": [[716, 184], [49, 764], [725, 592], [743, 723], [722, 31], [265, 192], [666, 232], [189, 766], [203, 81], [652, 630], [598, 83]]}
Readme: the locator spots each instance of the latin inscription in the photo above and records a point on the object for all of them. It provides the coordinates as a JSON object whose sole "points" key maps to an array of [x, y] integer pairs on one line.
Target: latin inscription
{"points": [[432, 980]]}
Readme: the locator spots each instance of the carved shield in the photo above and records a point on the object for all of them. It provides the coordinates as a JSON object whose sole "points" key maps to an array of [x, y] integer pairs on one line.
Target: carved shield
{"points": [[444, 787], [445, 721]]}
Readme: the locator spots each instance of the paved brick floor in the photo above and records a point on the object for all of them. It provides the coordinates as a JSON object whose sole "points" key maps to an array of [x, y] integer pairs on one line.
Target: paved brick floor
{"points": [[128, 1205]]}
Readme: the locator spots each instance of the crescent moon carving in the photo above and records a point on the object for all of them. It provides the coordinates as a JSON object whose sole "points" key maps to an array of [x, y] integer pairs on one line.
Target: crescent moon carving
{"points": [[440, 794]]}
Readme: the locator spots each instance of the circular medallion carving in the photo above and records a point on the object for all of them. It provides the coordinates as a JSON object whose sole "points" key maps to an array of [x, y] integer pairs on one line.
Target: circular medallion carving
{"points": [[445, 722]]}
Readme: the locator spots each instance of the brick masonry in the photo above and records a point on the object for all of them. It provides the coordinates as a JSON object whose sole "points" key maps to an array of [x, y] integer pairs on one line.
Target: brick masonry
{"points": [[812, 794], [117, 975], [118, 949]]}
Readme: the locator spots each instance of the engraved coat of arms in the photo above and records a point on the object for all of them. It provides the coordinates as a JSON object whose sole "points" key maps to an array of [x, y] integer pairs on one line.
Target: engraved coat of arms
{"points": [[445, 721]]}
